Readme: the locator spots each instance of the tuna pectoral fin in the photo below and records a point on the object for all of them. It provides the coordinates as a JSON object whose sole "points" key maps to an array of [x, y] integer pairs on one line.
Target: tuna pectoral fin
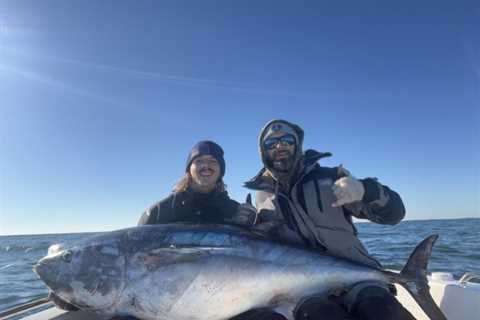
{"points": [[414, 278], [167, 256]]}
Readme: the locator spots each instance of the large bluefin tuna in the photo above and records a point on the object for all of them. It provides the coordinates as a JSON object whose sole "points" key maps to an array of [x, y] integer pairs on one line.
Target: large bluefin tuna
{"points": [[179, 272]]}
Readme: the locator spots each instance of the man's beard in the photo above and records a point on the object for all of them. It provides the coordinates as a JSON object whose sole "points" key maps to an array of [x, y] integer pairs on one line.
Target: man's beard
{"points": [[283, 165]]}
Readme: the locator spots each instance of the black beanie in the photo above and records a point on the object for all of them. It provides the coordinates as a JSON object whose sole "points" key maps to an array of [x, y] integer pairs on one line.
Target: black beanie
{"points": [[204, 148]]}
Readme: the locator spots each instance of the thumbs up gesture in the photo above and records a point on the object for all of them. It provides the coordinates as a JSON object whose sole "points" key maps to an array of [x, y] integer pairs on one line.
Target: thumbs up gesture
{"points": [[347, 189], [248, 200], [246, 214]]}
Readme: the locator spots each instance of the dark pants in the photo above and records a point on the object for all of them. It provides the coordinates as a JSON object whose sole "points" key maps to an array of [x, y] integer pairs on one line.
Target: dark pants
{"points": [[317, 308], [256, 314], [259, 314], [371, 303], [375, 303]]}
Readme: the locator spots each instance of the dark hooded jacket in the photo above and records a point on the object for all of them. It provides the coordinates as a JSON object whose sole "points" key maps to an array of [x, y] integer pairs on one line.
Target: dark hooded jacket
{"points": [[192, 207], [298, 208]]}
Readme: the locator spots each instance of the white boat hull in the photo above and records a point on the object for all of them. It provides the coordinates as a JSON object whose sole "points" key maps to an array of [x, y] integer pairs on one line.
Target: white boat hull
{"points": [[457, 301]]}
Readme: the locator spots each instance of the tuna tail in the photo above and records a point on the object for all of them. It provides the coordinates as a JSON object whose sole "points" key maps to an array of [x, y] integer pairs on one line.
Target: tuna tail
{"points": [[413, 278]]}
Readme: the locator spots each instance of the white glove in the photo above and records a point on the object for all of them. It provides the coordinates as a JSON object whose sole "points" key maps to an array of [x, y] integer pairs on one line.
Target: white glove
{"points": [[347, 189]]}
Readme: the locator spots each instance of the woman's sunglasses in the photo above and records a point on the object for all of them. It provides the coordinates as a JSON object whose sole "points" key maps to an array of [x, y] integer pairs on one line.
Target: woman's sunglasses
{"points": [[285, 140]]}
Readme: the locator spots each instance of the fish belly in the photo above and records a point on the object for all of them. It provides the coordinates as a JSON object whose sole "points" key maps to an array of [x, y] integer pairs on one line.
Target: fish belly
{"points": [[221, 287]]}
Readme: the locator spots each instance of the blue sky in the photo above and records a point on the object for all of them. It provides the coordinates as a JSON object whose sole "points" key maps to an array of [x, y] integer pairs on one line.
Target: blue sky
{"points": [[102, 101]]}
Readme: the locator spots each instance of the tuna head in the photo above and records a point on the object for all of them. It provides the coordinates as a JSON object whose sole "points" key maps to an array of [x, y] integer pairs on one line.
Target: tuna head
{"points": [[89, 277]]}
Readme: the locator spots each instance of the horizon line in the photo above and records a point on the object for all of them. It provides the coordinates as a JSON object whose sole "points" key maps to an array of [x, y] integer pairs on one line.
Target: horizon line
{"points": [[85, 232]]}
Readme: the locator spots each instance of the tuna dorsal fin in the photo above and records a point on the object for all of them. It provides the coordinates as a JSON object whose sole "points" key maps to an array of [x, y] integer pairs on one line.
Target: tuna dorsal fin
{"points": [[414, 278], [418, 260]]}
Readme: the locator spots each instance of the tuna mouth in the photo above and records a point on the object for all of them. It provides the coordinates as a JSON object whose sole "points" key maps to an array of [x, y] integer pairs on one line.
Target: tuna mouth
{"points": [[46, 273], [47, 270], [42, 269]]}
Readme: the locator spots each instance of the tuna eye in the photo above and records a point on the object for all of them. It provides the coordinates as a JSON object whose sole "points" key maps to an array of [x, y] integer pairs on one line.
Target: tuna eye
{"points": [[67, 256]]}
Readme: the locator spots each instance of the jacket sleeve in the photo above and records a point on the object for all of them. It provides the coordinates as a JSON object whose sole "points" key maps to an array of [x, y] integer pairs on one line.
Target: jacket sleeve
{"points": [[149, 216], [160, 212], [380, 204]]}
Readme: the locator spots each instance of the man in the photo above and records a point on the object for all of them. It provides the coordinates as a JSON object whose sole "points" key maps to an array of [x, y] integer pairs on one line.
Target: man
{"points": [[201, 196], [301, 202]]}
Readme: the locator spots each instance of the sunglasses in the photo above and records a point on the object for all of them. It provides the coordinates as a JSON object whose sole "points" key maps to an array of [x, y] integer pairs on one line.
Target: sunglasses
{"points": [[285, 140]]}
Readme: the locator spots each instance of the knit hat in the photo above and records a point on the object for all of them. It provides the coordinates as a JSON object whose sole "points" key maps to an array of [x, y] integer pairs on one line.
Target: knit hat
{"points": [[204, 148]]}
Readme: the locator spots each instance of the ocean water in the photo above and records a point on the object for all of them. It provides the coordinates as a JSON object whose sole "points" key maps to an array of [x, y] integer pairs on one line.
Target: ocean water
{"points": [[457, 251]]}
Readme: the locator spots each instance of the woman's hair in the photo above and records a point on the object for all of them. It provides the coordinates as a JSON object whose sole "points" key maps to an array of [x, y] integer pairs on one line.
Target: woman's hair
{"points": [[186, 182]]}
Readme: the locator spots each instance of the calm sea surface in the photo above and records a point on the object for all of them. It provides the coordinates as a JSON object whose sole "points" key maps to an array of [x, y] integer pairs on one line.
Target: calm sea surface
{"points": [[456, 251]]}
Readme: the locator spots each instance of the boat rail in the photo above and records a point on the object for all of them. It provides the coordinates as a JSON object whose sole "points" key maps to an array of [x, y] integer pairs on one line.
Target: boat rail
{"points": [[467, 277], [26, 307]]}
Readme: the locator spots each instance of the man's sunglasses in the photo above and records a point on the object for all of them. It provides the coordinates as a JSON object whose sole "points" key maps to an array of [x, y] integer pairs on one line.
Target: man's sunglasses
{"points": [[285, 140]]}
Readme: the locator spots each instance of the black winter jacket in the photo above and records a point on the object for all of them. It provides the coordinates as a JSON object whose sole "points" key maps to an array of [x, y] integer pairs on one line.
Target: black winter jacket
{"points": [[192, 207]]}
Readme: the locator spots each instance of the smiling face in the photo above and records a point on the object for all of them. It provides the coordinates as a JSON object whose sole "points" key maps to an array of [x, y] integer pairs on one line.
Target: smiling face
{"points": [[280, 149], [205, 172]]}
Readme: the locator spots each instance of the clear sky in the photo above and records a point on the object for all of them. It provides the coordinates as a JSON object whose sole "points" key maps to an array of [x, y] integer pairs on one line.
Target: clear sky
{"points": [[101, 101]]}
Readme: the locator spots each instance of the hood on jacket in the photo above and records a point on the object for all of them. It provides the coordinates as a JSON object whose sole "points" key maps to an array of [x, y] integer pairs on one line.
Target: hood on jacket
{"points": [[300, 159], [288, 127]]}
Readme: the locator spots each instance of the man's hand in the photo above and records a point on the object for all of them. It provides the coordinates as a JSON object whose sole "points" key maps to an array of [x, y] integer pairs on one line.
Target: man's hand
{"points": [[246, 214], [267, 227], [347, 189]]}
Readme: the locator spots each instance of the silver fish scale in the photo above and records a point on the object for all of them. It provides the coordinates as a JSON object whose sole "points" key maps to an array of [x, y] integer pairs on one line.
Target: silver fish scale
{"points": [[197, 273]]}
